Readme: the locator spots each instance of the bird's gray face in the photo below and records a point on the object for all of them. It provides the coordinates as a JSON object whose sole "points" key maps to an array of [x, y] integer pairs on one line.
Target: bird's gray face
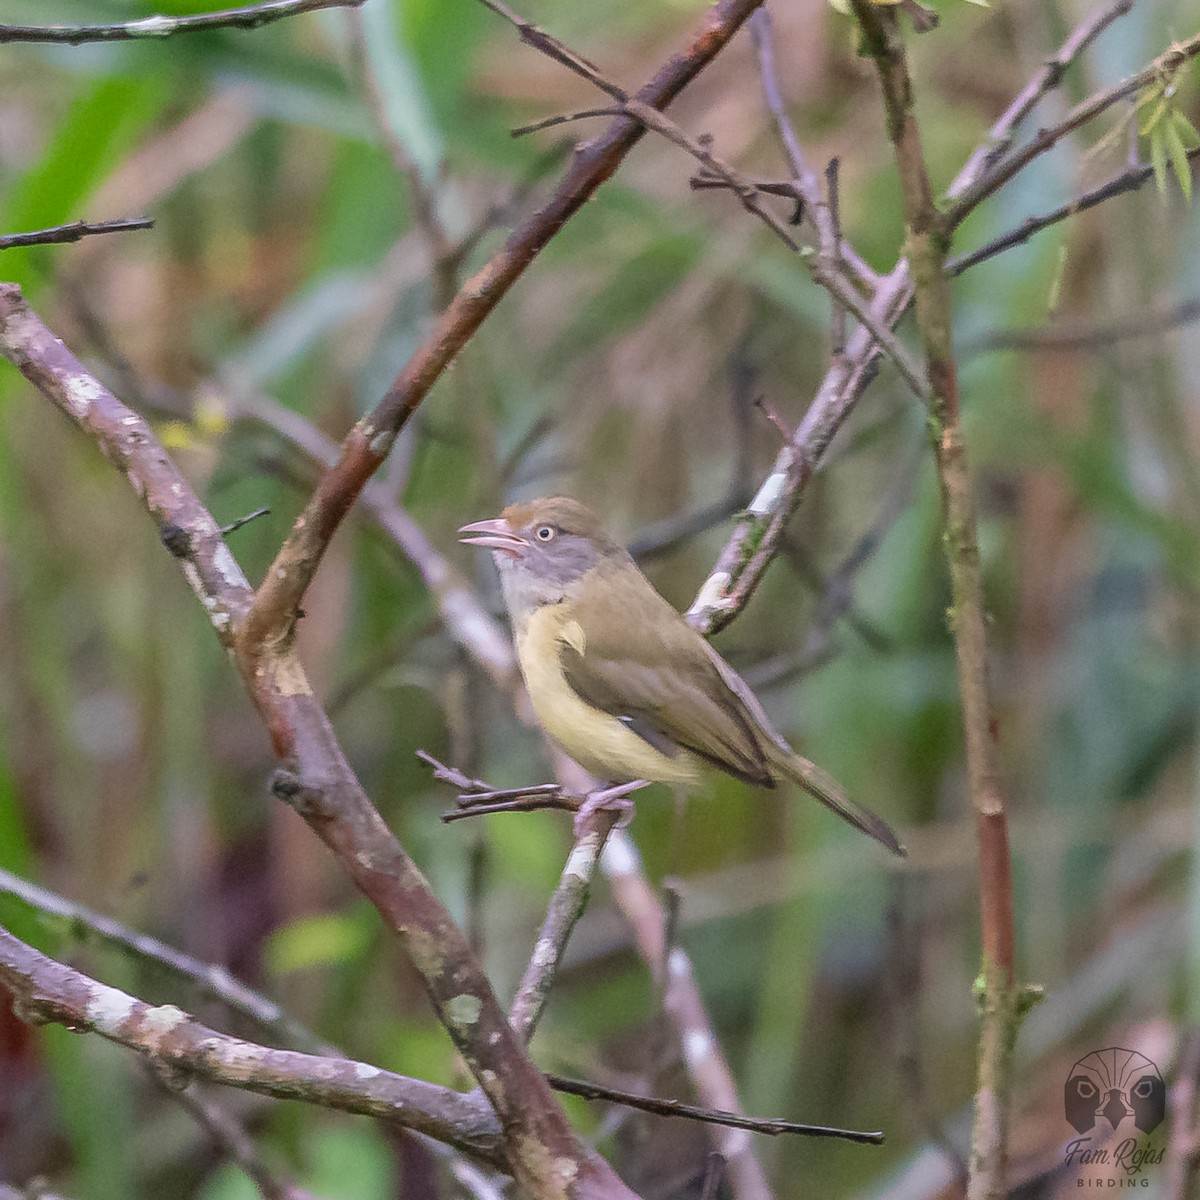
{"points": [[538, 561]]}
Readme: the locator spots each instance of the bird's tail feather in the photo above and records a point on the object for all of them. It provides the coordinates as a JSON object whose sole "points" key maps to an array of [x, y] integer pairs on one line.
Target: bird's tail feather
{"points": [[823, 787]]}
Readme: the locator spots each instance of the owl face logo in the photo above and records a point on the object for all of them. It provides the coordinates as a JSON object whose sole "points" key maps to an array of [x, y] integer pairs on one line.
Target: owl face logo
{"points": [[1110, 1085]]}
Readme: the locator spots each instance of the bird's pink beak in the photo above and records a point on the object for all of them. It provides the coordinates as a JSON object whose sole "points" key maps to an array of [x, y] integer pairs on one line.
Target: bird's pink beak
{"points": [[496, 534]]}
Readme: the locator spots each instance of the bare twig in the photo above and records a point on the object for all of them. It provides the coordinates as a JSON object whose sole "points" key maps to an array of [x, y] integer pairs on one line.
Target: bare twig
{"points": [[49, 992], [1075, 337], [713, 1170], [232, 1140], [211, 979], [73, 232], [467, 622], [675, 1108], [1001, 135], [252, 16], [701, 1052], [234, 526], [443, 253], [991, 180], [1129, 180], [564, 910]]}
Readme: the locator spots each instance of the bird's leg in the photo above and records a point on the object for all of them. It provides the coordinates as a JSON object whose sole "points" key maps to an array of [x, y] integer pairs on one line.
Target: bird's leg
{"points": [[614, 799]]}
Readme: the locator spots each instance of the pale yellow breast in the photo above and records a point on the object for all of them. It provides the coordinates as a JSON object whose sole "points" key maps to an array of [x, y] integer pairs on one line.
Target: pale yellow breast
{"points": [[597, 741]]}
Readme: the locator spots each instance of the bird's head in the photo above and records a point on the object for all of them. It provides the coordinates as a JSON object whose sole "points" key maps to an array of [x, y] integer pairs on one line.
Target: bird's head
{"points": [[542, 547]]}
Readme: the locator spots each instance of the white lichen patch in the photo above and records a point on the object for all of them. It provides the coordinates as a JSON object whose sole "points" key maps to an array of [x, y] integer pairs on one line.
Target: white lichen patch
{"points": [[80, 392], [566, 1169], [160, 1021], [157, 26], [381, 443], [463, 1010], [582, 859], [768, 494], [365, 1071], [712, 594], [108, 1008], [545, 953], [226, 565]]}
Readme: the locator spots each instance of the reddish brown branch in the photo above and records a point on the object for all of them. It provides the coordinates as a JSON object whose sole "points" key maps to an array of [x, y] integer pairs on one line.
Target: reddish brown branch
{"points": [[368, 444]]}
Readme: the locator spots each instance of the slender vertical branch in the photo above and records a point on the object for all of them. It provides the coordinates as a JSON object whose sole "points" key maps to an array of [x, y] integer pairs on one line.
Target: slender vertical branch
{"points": [[926, 245]]}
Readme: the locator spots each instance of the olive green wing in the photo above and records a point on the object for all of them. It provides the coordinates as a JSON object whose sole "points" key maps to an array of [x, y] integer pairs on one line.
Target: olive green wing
{"points": [[628, 652]]}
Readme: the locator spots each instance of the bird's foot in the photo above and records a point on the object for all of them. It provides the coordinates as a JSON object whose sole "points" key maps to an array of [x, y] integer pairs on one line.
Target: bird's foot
{"points": [[611, 799]]}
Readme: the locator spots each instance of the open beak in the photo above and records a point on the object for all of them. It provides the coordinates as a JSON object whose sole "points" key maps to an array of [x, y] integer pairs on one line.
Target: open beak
{"points": [[496, 534]]}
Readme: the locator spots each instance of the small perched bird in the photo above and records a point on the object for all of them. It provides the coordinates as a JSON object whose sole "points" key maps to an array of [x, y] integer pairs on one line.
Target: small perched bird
{"points": [[618, 678]]}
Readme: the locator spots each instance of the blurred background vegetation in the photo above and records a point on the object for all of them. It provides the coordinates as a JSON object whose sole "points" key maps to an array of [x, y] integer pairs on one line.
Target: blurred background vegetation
{"points": [[287, 262]]}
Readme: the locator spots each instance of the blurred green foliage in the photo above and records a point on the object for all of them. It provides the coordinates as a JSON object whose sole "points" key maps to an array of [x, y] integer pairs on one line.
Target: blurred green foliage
{"points": [[287, 260]]}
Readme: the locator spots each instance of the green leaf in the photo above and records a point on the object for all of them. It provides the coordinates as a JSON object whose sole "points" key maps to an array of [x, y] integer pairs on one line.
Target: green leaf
{"points": [[1056, 284], [1158, 160], [1179, 159], [1187, 131], [405, 106], [1150, 122], [317, 942]]}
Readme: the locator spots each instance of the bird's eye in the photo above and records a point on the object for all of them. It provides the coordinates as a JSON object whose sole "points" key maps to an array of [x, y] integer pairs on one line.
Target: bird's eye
{"points": [[544, 533]]}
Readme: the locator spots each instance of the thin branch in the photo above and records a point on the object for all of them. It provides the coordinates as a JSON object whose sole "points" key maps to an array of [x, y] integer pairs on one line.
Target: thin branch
{"points": [[231, 1140], [443, 253], [368, 443], [213, 980], [1129, 180], [676, 1108], [991, 181], [465, 619], [564, 910], [50, 992], [252, 16], [699, 1047], [1000, 138], [73, 232], [1076, 337]]}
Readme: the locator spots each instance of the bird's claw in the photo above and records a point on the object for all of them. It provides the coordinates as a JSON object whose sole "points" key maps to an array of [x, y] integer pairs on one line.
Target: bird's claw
{"points": [[612, 799]]}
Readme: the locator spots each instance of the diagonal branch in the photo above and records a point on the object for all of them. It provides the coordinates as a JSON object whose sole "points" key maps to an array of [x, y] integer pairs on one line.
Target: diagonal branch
{"points": [[73, 232], [50, 992], [252, 16], [991, 181], [368, 443], [213, 980]]}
